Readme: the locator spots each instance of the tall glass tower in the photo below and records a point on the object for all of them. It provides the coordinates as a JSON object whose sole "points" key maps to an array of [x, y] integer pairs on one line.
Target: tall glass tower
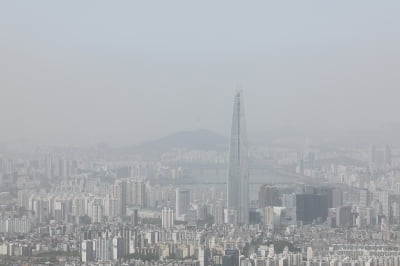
{"points": [[238, 171]]}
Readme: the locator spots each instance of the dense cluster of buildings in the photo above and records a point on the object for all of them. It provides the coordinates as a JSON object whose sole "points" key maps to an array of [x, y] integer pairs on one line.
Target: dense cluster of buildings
{"points": [[63, 210]]}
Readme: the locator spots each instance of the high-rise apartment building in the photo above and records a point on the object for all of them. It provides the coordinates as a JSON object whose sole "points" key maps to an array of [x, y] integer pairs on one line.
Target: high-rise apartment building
{"points": [[120, 195], [167, 217], [268, 215], [218, 213], [182, 203], [135, 192], [87, 251]]}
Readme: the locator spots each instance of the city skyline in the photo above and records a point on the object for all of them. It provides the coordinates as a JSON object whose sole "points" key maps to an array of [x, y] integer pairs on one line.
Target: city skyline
{"points": [[125, 138]]}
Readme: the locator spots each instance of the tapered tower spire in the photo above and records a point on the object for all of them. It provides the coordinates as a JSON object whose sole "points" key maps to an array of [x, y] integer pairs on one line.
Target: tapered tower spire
{"points": [[238, 172]]}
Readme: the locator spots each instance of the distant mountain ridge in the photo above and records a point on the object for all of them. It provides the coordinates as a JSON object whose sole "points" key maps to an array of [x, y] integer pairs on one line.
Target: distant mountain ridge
{"points": [[201, 139]]}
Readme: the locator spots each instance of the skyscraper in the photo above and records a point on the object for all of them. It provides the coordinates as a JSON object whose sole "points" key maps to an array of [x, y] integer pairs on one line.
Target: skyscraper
{"points": [[268, 196], [182, 204], [344, 216], [238, 171], [310, 207]]}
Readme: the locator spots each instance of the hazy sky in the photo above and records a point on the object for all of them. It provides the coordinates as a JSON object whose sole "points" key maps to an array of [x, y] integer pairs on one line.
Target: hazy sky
{"points": [[123, 71]]}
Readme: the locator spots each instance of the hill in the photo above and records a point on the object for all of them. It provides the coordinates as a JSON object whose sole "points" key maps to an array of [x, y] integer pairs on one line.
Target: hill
{"points": [[193, 140]]}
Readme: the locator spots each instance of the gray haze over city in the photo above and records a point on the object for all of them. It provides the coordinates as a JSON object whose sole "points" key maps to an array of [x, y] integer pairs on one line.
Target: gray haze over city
{"points": [[86, 72], [183, 133]]}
